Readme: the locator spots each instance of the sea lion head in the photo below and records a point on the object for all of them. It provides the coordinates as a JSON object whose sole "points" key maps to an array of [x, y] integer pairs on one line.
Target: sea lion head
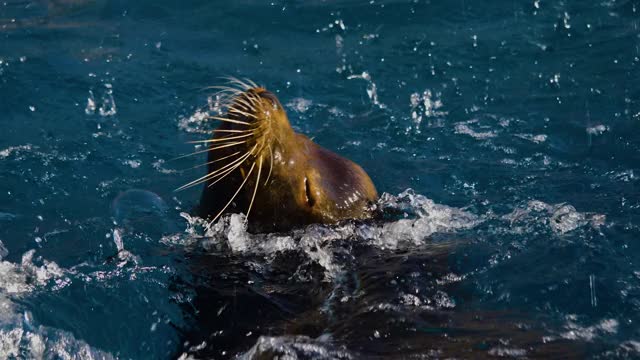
{"points": [[258, 165]]}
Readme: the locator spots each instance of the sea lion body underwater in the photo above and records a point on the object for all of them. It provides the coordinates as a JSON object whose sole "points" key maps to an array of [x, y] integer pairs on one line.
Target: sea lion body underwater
{"points": [[258, 165]]}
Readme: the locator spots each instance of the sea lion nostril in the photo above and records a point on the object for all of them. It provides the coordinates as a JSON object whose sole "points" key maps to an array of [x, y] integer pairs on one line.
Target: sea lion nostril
{"points": [[310, 200]]}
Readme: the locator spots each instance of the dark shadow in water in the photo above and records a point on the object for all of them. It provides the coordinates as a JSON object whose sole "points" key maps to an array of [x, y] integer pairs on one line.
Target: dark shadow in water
{"points": [[238, 299], [234, 304]]}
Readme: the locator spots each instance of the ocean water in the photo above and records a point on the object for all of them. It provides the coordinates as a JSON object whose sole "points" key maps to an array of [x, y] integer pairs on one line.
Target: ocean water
{"points": [[503, 136]]}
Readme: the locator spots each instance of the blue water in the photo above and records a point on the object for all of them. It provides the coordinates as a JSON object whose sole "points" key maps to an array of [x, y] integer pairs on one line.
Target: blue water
{"points": [[504, 135]]}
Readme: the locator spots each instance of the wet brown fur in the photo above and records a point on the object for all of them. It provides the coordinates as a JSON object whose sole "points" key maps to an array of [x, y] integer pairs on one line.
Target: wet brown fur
{"points": [[258, 165]]}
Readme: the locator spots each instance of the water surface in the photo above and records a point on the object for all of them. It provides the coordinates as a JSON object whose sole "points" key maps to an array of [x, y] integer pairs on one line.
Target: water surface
{"points": [[504, 135]]}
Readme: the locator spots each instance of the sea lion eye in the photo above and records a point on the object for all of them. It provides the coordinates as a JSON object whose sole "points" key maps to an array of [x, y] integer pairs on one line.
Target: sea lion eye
{"points": [[310, 200]]}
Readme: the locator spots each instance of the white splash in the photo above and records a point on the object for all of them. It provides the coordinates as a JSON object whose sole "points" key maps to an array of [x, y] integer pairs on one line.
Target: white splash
{"points": [[11, 149], [41, 342], [317, 241], [372, 88], [91, 104], [293, 347], [597, 129], [159, 166], [26, 276], [106, 106], [540, 138], [3, 251], [501, 351], [574, 331], [195, 122], [561, 218], [463, 128], [19, 336], [426, 105], [299, 104], [133, 163], [432, 218]]}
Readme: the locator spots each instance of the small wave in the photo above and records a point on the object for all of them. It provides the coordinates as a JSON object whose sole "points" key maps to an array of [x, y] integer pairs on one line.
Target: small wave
{"points": [[629, 349], [300, 105], [561, 218], [501, 351], [294, 347], [421, 218], [8, 151], [19, 335], [20, 338], [21, 152], [463, 128], [538, 139], [27, 276], [45, 343], [576, 331]]}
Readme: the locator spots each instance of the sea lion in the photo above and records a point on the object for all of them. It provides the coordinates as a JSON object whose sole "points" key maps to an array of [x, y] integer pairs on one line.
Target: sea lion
{"points": [[257, 164]]}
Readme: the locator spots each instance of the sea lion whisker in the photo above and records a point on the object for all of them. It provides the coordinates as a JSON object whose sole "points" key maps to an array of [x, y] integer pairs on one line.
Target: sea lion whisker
{"points": [[227, 169], [223, 171], [233, 197], [221, 87], [270, 165], [228, 120], [250, 82], [225, 145], [238, 111], [209, 149], [223, 139], [255, 190], [236, 104], [226, 91], [225, 101], [259, 132], [224, 174], [226, 95], [245, 85], [193, 183], [232, 131], [245, 104], [213, 161], [252, 98], [233, 164], [208, 176], [234, 80]]}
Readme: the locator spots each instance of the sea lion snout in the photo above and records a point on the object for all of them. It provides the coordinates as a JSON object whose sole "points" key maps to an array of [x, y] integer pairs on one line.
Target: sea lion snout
{"points": [[258, 165]]}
